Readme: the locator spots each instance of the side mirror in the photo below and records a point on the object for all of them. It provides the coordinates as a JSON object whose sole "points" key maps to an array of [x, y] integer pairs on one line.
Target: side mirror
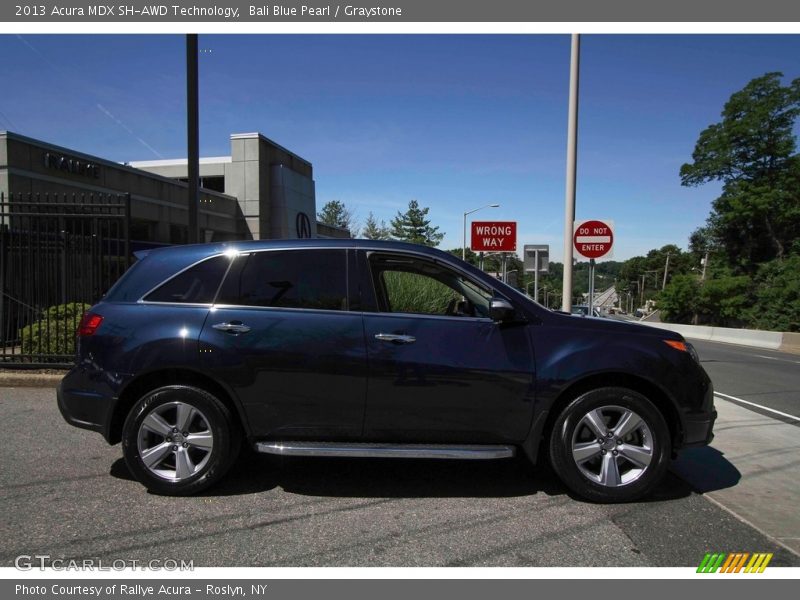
{"points": [[501, 310]]}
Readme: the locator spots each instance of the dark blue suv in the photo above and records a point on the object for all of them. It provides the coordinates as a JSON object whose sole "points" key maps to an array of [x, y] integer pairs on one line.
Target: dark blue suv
{"points": [[363, 348]]}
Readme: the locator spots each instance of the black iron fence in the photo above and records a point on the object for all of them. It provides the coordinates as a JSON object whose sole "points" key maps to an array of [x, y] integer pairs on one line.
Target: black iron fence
{"points": [[59, 253]]}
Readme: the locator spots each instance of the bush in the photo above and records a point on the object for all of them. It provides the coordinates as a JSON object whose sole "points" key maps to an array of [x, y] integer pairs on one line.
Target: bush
{"points": [[54, 333]]}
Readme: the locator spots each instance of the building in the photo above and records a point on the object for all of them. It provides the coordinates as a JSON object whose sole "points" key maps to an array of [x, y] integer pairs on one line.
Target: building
{"points": [[260, 191]]}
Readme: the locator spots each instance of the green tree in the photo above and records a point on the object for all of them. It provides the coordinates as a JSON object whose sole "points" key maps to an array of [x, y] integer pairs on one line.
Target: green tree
{"points": [[752, 152], [415, 227], [336, 214], [777, 293], [678, 301], [374, 231]]}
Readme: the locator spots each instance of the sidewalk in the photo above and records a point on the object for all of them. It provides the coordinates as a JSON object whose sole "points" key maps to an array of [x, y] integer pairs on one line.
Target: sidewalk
{"points": [[763, 454]]}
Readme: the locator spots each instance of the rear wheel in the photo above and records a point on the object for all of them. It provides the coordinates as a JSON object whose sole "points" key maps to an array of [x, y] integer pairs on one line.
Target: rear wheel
{"points": [[178, 440], [610, 445]]}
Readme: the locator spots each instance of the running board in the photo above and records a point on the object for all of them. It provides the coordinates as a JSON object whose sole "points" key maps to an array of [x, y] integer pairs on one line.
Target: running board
{"points": [[362, 450]]}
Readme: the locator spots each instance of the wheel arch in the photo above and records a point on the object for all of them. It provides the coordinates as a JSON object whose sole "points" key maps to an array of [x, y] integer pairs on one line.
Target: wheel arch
{"points": [[151, 380], [542, 427]]}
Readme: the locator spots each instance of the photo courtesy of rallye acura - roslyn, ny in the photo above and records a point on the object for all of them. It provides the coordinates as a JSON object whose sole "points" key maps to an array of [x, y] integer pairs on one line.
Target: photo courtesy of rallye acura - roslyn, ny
{"points": [[372, 349]]}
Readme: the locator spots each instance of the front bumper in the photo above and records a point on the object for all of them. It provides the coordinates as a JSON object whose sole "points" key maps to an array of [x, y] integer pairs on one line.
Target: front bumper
{"points": [[699, 429]]}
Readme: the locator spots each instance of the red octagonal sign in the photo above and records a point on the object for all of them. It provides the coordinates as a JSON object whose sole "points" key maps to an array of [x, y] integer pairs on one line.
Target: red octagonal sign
{"points": [[593, 239]]}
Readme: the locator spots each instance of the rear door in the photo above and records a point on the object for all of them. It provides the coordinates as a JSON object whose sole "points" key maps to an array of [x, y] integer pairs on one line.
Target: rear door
{"points": [[440, 369], [281, 336]]}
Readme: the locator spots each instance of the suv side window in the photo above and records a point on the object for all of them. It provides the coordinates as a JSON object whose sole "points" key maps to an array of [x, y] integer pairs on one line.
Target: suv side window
{"points": [[313, 279], [411, 285], [196, 285]]}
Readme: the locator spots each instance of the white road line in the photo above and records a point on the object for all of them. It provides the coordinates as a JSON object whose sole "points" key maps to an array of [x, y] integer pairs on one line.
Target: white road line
{"points": [[772, 410], [794, 362]]}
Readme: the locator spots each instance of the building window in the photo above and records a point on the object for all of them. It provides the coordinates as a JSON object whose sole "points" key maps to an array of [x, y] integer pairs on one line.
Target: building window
{"points": [[178, 234]]}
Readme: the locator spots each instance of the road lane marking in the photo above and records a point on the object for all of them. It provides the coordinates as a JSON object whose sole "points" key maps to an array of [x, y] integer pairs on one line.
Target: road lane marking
{"points": [[794, 362], [772, 410]]}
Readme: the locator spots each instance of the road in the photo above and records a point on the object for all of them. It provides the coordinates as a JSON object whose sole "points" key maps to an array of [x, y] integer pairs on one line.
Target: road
{"points": [[765, 377], [66, 493]]}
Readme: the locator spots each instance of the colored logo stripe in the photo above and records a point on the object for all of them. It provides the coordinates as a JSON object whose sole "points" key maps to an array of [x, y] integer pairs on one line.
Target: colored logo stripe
{"points": [[734, 562]]}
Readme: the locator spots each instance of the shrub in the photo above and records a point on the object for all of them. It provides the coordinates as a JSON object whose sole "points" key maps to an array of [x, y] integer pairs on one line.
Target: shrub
{"points": [[54, 333]]}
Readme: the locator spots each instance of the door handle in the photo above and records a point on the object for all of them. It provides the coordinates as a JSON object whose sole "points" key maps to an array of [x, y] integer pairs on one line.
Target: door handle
{"points": [[234, 327], [395, 338]]}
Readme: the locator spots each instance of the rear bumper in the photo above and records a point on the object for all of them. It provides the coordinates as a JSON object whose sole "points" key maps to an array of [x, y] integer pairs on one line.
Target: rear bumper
{"points": [[82, 405]]}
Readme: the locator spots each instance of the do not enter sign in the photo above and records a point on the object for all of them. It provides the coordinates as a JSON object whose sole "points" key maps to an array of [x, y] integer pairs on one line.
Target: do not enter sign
{"points": [[593, 239]]}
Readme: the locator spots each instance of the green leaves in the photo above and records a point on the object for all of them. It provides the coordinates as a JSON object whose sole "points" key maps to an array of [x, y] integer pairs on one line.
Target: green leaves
{"points": [[413, 226]]}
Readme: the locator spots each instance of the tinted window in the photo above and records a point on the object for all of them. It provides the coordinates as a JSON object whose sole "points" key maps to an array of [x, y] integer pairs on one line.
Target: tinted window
{"points": [[197, 284], [288, 279]]}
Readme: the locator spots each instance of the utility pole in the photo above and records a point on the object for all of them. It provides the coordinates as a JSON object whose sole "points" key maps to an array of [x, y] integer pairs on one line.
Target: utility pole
{"points": [[666, 268], [193, 136], [705, 263], [572, 157]]}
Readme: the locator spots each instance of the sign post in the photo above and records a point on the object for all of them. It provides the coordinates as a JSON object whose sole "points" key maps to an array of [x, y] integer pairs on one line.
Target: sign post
{"points": [[593, 239], [536, 260]]}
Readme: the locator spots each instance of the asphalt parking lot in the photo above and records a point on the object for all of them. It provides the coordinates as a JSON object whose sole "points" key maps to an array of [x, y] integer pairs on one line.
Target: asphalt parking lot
{"points": [[64, 492]]}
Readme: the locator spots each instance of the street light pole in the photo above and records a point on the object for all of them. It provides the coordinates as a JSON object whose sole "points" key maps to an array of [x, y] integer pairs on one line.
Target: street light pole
{"points": [[572, 156], [193, 137], [464, 238]]}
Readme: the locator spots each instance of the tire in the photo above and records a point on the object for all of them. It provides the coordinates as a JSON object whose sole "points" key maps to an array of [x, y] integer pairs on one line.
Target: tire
{"points": [[610, 445], [179, 440]]}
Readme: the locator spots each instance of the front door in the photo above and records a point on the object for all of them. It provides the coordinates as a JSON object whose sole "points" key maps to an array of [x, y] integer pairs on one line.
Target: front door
{"points": [[440, 370]]}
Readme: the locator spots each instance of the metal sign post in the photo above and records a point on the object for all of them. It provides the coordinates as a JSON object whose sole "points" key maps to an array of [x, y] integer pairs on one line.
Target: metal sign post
{"points": [[536, 260]]}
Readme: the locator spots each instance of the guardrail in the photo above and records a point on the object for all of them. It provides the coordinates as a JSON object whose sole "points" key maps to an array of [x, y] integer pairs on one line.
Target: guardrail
{"points": [[771, 340]]}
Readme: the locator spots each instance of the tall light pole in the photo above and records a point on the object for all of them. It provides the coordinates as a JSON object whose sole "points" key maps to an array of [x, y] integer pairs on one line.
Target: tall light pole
{"points": [[193, 137], [464, 239], [572, 157]]}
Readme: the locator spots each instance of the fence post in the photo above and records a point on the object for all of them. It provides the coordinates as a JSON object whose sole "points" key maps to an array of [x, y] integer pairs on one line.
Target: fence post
{"points": [[127, 230]]}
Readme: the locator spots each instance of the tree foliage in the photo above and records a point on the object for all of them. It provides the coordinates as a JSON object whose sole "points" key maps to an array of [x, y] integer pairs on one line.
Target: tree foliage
{"points": [[374, 231], [752, 152], [415, 227], [336, 214]]}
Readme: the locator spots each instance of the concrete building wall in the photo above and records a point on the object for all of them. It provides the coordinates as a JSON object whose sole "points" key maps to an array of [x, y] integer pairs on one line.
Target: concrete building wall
{"points": [[29, 166]]}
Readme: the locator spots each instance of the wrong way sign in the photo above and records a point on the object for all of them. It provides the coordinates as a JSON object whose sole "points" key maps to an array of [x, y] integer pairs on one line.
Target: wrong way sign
{"points": [[494, 236], [593, 238]]}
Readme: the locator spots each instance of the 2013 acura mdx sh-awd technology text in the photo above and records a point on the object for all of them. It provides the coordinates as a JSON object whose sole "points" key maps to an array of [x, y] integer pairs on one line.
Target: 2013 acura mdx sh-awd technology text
{"points": [[362, 348]]}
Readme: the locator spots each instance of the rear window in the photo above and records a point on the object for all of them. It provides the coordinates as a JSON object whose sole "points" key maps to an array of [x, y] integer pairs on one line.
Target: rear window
{"points": [[196, 285], [313, 279]]}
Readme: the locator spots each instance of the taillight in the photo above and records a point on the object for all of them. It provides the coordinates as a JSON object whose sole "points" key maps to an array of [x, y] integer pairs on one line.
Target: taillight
{"points": [[89, 324]]}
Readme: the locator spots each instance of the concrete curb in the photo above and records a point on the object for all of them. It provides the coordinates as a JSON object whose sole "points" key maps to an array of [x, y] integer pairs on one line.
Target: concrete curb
{"points": [[770, 340], [30, 379]]}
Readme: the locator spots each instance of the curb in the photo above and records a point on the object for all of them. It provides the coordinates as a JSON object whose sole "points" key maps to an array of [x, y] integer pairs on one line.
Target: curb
{"points": [[27, 379]]}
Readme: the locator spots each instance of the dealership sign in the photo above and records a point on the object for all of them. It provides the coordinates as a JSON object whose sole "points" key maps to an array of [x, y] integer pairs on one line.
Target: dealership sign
{"points": [[69, 164], [494, 236], [593, 238]]}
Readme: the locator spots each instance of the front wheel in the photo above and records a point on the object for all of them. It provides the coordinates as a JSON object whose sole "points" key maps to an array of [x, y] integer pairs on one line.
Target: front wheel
{"points": [[178, 440], [610, 445]]}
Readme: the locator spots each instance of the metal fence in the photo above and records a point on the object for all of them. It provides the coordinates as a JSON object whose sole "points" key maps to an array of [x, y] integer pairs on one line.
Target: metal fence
{"points": [[59, 253]]}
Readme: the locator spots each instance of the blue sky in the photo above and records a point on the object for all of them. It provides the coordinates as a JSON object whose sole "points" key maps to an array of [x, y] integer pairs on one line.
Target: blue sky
{"points": [[453, 121]]}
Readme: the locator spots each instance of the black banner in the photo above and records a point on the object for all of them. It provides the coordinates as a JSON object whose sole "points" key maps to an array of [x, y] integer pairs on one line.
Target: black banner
{"points": [[402, 11]]}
